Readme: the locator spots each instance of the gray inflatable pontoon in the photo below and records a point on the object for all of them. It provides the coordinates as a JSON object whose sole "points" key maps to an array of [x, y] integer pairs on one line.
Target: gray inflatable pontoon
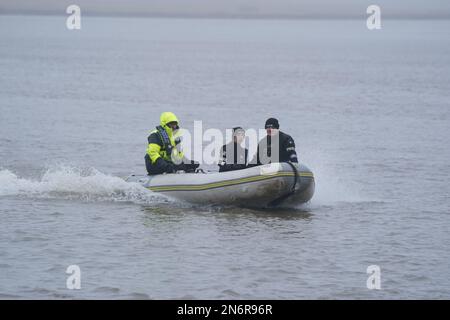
{"points": [[276, 184]]}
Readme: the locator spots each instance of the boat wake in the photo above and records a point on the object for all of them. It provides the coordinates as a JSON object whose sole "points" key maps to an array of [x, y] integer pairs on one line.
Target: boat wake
{"points": [[91, 185], [334, 189], [64, 182]]}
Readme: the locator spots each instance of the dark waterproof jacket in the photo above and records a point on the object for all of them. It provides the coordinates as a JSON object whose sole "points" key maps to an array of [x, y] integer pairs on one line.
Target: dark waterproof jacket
{"points": [[233, 157], [267, 148]]}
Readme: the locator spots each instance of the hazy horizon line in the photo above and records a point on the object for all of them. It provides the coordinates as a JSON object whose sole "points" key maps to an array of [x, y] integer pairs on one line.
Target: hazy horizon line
{"points": [[226, 16]]}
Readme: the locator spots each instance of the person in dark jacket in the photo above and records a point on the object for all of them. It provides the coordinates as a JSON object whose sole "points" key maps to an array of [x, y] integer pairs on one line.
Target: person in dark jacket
{"points": [[233, 156], [273, 142]]}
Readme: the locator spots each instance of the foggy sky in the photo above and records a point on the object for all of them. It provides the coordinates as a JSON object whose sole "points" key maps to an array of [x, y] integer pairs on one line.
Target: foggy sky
{"points": [[236, 8]]}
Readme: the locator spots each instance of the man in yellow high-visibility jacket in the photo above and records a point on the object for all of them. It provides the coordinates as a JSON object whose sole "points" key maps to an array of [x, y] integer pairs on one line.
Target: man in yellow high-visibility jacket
{"points": [[163, 155]]}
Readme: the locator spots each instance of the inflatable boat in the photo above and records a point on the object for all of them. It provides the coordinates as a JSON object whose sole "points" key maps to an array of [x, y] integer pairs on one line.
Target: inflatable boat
{"points": [[276, 184]]}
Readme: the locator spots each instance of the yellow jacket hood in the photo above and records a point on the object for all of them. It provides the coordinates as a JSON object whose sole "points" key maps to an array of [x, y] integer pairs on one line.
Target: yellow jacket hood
{"points": [[167, 117]]}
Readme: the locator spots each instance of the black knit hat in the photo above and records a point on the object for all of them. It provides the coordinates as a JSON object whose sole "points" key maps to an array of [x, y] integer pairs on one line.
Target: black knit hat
{"points": [[238, 129], [272, 123]]}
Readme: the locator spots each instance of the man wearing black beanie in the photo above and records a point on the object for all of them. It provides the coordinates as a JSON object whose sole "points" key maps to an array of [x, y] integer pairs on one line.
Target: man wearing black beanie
{"points": [[275, 141]]}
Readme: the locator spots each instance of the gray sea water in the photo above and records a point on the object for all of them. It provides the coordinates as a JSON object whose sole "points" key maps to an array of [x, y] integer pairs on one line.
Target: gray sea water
{"points": [[369, 111]]}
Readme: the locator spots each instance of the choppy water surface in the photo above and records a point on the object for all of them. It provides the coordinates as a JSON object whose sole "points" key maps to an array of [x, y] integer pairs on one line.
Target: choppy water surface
{"points": [[369, 111]]}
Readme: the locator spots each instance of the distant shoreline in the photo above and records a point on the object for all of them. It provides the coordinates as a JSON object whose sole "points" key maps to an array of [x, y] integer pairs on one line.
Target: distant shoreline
{"points": [[223, 16]]}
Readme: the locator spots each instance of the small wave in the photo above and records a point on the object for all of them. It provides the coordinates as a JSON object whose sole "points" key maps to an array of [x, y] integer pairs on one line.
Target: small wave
{"points": [[74, 183]]}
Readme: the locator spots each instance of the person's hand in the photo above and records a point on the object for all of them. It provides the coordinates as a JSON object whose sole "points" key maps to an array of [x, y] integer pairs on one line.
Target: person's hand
{"points": [[170, 168], [195, 164]]}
